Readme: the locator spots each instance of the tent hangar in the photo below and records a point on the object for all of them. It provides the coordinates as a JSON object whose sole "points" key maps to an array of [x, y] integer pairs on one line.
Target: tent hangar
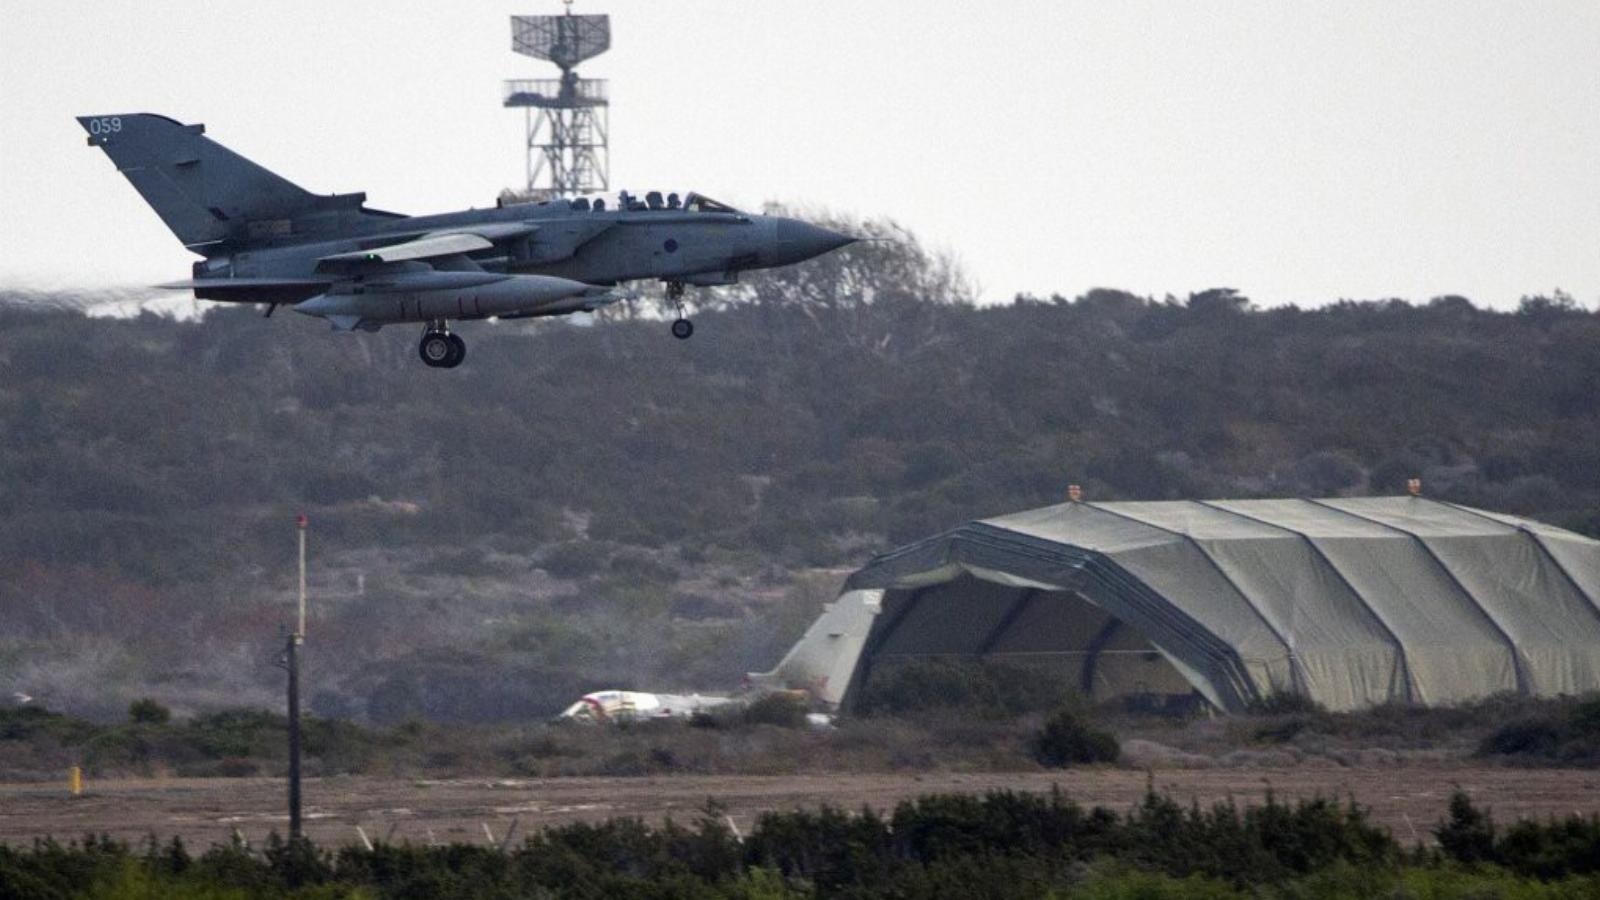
{"points": [[1351, 602]]}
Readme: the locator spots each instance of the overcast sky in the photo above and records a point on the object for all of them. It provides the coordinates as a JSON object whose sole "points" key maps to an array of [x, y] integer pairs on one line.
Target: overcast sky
{"points": [[1300, 152]]}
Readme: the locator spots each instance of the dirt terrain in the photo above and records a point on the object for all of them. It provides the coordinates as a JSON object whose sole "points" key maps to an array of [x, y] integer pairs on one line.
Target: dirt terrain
{"points": [[1408, 800]]}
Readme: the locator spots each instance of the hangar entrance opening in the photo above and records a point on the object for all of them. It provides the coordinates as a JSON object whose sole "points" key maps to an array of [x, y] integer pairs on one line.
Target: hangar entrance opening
{"points": [[1056, 633]]}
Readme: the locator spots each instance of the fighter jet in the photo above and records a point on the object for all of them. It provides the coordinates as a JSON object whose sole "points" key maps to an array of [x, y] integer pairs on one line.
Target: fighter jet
{"points": [[265, 240]]}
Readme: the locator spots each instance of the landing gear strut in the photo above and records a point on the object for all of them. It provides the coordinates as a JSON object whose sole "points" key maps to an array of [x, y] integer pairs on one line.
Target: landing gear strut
{"points": [[682, 328], [439, 348]]}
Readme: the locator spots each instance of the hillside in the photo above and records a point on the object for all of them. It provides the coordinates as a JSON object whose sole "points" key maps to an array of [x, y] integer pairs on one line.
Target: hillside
{"points": [[585, 506]]}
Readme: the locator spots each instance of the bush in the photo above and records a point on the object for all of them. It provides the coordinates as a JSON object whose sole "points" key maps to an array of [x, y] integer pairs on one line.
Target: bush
{"points": [[1468, 835], [575, 559], [1067, 740], [1283, 703], [1282, 732], [117, 749], [979, 687], [1544, 850], [240, 732], [1533, 737], [781, 709], [229, 767], [642, 566], [708, 720], [925, 685], [148, 712], [464, 561], [1569, 736], [30, 723], [1585, 717]]}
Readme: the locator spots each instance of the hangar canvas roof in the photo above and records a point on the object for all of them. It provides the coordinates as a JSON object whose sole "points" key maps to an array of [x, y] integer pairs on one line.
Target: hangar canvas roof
{"points": [[1351, 601]]}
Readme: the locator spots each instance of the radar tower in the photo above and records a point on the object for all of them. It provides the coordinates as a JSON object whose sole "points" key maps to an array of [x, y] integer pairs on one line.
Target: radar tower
{"points": [[567, 118]]}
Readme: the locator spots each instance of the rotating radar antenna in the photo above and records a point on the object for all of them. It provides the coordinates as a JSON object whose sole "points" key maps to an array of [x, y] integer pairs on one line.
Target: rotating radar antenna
{"points": [[567, 118]]}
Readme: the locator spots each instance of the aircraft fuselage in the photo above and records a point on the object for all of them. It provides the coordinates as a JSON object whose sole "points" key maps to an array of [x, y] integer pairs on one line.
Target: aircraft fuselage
{"points": [[267, 240]]}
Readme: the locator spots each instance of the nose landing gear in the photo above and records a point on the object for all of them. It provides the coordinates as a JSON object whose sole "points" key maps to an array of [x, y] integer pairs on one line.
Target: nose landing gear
{"points": [[439, 348], [682, 328]]}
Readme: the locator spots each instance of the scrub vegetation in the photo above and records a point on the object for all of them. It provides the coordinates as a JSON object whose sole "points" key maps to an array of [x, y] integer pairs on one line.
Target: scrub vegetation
{"points": [[1067, 740], [1562, 736], [1002, 845], [773, 737], [770, 736], [603, 506]]}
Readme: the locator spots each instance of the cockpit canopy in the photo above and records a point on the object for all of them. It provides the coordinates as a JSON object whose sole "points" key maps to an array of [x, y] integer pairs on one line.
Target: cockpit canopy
{"points": [[702, 203], [654, 200]]}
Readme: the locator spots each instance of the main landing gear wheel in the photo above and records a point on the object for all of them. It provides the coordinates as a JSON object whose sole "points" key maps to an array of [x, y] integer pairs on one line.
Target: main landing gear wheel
{"points": [[682, 328], [442, 350]]}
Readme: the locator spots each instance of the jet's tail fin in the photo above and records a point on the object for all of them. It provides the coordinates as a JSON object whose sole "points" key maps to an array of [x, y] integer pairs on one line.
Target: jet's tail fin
{"points": [[204, 192]]}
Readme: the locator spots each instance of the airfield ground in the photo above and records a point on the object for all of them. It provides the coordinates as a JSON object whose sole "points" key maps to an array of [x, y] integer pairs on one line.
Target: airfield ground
{"points": [[1406, 799]]}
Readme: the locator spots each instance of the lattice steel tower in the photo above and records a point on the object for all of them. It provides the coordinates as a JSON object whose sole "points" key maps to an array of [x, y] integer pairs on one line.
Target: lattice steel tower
{"points": [[567, 117]]}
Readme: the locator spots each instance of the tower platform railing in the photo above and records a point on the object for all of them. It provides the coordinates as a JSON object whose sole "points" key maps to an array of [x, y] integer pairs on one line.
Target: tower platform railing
{"points": [[553, 93]]}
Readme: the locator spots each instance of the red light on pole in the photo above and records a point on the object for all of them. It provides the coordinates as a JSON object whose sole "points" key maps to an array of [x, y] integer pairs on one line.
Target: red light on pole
{"points": [[301, 521]]}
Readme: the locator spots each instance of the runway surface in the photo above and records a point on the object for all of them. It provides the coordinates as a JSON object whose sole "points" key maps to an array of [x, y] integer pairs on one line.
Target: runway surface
{"points": [[1407, 799]]}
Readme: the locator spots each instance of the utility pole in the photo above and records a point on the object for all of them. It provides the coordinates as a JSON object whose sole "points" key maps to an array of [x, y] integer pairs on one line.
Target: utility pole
{"points": [[292, 659]]}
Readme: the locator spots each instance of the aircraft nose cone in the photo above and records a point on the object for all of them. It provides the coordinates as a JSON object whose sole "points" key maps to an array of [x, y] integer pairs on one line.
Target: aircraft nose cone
{"points": [[802, 240]]}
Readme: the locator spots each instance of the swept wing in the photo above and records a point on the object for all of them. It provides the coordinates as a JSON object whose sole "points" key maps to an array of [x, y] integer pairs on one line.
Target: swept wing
{"points": [[430, 246]]}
